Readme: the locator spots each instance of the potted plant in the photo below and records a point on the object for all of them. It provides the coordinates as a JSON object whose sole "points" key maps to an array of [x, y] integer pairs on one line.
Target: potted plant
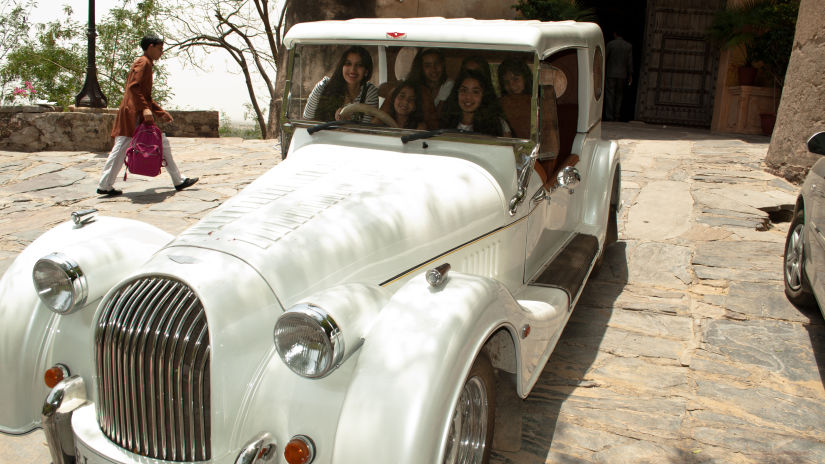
{"points": [[735, 27], [764, 30], [772, 47]]}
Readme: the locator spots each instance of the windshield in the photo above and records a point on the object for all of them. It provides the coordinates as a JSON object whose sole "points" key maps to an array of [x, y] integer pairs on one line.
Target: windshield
{"points": [[487, 92]]}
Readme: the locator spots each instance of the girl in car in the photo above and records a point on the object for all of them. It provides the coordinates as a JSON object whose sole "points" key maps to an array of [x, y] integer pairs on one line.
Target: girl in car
{"points": [[349, 84], [474, 107], [516, 83], [429, 73], [405, 106]]}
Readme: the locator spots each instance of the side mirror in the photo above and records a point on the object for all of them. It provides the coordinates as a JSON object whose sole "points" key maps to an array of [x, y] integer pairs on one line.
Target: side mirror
{"points": [[816, 144]]}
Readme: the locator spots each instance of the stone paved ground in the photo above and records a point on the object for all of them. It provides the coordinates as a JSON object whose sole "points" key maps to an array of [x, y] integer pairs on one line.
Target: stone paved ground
{"points": [[682, 350]]}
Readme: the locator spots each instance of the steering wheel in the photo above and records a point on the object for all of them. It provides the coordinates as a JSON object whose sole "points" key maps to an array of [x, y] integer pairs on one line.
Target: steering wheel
{"points": [[370, 110]]}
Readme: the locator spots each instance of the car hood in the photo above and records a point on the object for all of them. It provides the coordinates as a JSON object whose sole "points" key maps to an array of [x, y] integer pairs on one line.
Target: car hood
{"points": [[331, 214]]}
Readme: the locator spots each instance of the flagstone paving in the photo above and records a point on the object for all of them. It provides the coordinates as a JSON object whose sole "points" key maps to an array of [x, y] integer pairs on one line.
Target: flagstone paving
{"points": [[683, 348]]}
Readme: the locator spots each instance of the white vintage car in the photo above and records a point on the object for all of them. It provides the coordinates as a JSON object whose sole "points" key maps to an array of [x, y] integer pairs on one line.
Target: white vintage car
{"points": [[356, 303]]}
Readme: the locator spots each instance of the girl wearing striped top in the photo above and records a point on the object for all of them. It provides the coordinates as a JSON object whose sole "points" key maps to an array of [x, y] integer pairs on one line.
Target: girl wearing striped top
{"points": [[348, 84]]}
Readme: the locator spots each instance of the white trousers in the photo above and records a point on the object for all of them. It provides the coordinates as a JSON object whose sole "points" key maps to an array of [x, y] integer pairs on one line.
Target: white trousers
{"points": [[118, 154]]}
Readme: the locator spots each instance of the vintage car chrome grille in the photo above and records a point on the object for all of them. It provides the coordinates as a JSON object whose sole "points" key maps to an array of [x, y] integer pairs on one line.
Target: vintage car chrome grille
{"points": [[152, 357]]}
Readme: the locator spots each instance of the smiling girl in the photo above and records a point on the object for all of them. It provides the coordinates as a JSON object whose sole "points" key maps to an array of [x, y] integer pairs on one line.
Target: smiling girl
{"points": [[473, 106], [405, 107], [348, 84]]}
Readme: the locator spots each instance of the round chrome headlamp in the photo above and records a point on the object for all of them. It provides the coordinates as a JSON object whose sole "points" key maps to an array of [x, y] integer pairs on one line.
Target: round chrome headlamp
{"points": [[309, 341], [60, 283]]}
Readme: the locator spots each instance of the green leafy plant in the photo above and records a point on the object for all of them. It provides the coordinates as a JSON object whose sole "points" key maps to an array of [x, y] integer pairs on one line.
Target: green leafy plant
{"points": [[763, 29], [555, 10], [53, 54], [772, 47]]}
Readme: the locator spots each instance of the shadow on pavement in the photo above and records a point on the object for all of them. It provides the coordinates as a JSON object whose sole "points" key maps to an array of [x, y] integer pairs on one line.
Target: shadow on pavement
{"points": [[816, 332], [643, 131], [575, 353], [149, 196]]}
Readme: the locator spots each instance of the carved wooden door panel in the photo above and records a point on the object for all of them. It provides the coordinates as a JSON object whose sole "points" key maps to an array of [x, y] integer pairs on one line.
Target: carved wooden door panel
{"points": [[679, 65]]}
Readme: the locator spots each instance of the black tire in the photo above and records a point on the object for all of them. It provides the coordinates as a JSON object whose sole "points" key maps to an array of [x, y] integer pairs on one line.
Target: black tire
{"points": [[797, 287], [611, 236], [463, 444]]}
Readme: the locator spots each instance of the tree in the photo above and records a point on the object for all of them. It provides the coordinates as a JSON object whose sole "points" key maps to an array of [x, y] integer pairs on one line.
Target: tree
{"points": [[53, 55], [14, 28], [53, 60], [252, 32], [118, 44], [555, 10]]}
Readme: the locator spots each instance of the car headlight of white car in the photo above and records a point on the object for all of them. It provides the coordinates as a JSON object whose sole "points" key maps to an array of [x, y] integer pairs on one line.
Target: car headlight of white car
{"points": [[60, 283], [309, 340]]}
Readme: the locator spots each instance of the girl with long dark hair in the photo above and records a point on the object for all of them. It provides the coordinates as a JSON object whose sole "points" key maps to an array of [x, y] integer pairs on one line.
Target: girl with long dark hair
{"points": [[473, 106], [349, 84], [405, 106], [516, 83]]}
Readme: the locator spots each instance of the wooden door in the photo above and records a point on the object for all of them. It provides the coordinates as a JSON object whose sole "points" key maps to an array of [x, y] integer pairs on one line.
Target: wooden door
{"points": [[679, 64]]}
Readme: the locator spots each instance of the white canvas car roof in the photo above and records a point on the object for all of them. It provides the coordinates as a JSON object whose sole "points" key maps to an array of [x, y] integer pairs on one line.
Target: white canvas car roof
{"points": [[542, 37]]}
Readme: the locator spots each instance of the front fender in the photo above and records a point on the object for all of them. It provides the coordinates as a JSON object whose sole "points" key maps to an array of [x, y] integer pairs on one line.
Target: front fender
{"points": [[32, 337], [599, 187], [392, 400], [412, 366]]}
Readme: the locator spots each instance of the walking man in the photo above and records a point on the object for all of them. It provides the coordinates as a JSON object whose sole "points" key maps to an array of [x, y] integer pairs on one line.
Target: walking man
{"points": [[619, 70], [137, 106]]}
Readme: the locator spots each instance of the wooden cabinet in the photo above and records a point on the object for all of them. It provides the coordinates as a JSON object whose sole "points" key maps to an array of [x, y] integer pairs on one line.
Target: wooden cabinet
{"points": [[742, 106]]}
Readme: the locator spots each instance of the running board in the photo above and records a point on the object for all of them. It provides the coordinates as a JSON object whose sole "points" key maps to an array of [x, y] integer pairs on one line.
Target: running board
{"points": [[569, 268]]}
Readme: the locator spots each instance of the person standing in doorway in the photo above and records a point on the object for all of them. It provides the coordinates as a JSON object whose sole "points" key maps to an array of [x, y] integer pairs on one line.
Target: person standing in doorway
{"points": [[137, 107], [619, 70]]}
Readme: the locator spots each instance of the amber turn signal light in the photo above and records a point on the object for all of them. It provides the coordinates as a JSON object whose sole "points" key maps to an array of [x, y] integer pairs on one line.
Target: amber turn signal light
{"points": [[55, 374], [299, 450]]}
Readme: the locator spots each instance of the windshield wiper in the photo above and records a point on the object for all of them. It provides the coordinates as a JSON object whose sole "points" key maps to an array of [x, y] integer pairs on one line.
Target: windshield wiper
{"points": [[432, 133], [330, 125]]}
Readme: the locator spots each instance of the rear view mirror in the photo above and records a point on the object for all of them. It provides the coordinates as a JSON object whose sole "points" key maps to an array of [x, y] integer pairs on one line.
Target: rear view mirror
{"points": [[816, 144]]}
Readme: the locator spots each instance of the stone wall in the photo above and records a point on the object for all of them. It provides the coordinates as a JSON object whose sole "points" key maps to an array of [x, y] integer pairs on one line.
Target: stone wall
{"points": [[42, 128], [479, 9], [801, 111]]}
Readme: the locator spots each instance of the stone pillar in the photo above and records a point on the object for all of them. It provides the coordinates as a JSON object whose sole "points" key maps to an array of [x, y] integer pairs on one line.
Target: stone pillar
{"points": [[803, 98]]}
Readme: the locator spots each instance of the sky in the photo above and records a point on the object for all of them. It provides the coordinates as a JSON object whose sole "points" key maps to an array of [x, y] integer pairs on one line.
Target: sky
{"points": [[219, 88]]}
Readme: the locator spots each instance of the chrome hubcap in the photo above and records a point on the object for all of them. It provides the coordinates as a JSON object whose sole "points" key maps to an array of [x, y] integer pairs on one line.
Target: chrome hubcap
{"points": [[468, 430], [793, 259]]}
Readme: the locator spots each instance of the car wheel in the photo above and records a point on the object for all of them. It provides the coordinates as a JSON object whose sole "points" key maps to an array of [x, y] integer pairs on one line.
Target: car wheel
{"points": [[611, 236], [471, 428], [797, 287]]}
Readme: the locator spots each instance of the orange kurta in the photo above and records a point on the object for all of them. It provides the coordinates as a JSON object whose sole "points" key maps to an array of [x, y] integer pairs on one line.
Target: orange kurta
{"points": [[137, 96]]}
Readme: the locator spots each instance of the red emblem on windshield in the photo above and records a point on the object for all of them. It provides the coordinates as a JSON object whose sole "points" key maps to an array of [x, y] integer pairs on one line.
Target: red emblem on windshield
{"points": [[396, 35]]}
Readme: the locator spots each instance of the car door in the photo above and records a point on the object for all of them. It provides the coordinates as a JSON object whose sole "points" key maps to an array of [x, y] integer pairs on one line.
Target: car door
{"points": [[815, 211], [548, 226]]}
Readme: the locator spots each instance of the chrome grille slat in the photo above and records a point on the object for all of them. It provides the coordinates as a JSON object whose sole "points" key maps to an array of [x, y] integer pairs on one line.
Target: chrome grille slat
{"points": [[152, 359], [140, 313], [185, 406], [118, 393], [197, 401], [168, 379], [152, 434], [157, 383], [158, 294], [123, 327], [203, 393]]}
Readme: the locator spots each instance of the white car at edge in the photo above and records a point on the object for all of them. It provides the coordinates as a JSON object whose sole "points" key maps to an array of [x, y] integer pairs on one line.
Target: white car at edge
{"points": [[399, 272]]}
